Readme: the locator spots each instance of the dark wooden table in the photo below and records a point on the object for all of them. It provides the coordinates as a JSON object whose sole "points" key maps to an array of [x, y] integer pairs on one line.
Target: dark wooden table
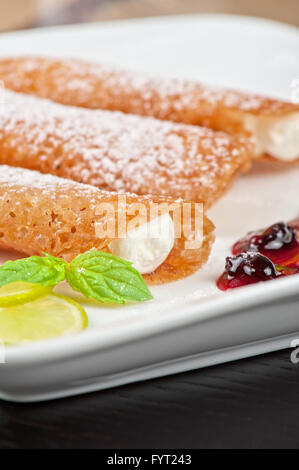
{"points": [[246, 404], [252, 403]]}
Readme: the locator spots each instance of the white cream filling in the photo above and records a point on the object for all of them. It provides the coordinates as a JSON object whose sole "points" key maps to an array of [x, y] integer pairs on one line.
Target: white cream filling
{"points": [[278, 138], [147, 246]]}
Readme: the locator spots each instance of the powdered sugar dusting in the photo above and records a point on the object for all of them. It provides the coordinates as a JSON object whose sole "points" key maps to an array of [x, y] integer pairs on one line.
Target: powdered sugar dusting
{"points": [[47, 185], [87, 78], [116, 151]]}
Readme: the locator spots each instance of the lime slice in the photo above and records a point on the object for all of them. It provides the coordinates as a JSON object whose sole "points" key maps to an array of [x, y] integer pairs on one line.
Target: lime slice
{"points": [[44, 318], [21, 292]]}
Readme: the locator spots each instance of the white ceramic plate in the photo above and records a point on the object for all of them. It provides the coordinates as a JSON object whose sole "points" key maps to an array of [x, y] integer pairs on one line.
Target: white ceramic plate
{"points": [[190, 324]]}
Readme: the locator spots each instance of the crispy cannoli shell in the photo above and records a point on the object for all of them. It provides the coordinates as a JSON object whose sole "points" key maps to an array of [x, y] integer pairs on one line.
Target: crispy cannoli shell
{"points": [[79, 83], [43, 213], [120, 152]]}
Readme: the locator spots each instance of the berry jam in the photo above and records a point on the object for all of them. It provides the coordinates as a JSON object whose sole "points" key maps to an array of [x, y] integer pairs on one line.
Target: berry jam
{"points": [[262, 256], [247, 268], [279, 243]]}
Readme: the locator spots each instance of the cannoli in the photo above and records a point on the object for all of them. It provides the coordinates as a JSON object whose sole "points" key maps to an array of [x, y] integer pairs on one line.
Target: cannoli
{"points": [[116, 151], [272, 124], [43, 213]]}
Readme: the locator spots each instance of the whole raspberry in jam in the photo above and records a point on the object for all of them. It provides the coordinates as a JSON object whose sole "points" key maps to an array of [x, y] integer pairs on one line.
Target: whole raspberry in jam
{"points": [[279, 243], [247, 268], [251, 264], [278, 236]]}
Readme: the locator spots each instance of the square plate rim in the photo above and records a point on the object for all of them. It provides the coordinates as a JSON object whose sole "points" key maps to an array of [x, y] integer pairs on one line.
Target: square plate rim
{"points": [[253, 295]]}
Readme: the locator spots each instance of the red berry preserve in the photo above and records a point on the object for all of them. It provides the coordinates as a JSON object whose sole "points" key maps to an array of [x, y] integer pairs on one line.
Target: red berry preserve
{"points": [[263, 255]]}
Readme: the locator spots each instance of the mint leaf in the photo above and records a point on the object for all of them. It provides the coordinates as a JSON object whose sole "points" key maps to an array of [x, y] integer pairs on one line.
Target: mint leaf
{"points": [[95, 274], [106, 278], [48, 271]]}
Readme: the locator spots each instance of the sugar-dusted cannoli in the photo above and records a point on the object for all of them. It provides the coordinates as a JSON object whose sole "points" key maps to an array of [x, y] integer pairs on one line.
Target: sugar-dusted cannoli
{"points": [[273, 124], [43, 213], [116, 151]]}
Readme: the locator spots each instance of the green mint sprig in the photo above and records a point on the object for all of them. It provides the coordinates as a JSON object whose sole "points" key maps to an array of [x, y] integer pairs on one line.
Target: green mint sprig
{"points": [[47, 270], [95, 274], [106, 278]]}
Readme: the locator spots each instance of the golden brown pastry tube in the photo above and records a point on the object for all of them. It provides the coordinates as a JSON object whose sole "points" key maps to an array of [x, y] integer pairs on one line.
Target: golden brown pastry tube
{"points": [[273, 124], [43, 213], [116, 151]]}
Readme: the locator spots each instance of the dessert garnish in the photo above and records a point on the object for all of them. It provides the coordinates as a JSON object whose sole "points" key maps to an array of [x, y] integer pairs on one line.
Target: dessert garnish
{"points": [[247, 268], [95, 274], [46, 317], [279, 243], [18, 293], [261, 256], [30, 311]]}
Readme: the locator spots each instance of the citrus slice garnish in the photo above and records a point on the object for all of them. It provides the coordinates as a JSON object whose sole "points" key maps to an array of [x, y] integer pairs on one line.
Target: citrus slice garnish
{"points": [[21, 292], [46, 317]]}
